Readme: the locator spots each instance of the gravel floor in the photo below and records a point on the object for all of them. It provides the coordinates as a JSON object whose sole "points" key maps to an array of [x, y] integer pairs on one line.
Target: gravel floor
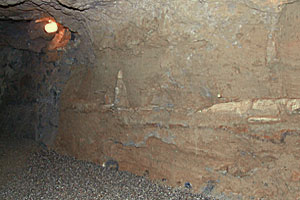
{"points": [[30, 172]]}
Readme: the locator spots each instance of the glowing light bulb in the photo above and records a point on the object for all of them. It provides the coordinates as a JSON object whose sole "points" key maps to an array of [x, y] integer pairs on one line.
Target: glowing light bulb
{"points": [[51, 27]]}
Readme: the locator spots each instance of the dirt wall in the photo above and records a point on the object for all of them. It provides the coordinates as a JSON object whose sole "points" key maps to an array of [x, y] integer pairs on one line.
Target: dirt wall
{"points": [[204, 92]]}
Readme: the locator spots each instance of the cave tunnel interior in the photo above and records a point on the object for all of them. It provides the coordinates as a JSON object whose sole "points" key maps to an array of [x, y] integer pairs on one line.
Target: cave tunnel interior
{"points": [[199, 95]]}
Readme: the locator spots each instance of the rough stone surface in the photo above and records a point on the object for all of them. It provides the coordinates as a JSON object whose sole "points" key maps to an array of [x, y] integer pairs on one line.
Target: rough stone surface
{"points": [[11, 2], [32, 78], [204, 92], [211, 99]]}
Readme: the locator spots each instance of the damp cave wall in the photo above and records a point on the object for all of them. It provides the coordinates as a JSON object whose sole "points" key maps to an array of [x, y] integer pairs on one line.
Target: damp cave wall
{"points": [[205, 92]]}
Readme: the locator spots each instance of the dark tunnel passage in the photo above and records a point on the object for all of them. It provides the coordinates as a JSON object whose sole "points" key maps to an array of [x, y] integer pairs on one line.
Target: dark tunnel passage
{"points": [[32, 77]]}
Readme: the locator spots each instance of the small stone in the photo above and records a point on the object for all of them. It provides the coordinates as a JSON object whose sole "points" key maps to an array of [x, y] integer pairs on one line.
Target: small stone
{"points": [[188, 185], [146, 173], [111, 165]]}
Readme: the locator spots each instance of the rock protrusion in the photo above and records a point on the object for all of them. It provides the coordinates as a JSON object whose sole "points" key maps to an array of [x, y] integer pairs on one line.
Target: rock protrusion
{"points": [[121, 99]]}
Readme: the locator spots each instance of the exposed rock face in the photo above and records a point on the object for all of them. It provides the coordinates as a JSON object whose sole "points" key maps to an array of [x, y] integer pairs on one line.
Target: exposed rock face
{"points": [[205, 92]]}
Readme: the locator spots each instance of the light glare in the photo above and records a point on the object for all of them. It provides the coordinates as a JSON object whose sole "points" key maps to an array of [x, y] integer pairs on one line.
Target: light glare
{"points": [[51, 27]]}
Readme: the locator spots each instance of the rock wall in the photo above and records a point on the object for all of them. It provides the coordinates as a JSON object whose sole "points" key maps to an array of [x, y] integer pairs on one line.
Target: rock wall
{"points": [[204, 92], [30, 89], [32, 77]]}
